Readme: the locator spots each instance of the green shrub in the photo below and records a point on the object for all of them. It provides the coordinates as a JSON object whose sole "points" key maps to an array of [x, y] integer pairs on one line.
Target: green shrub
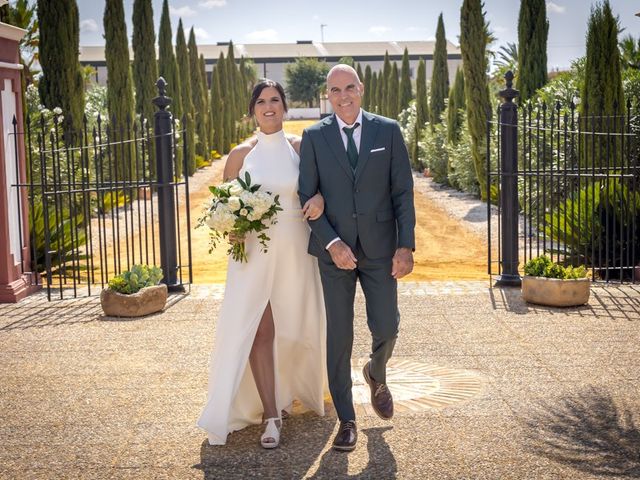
{"points": [[433, 149], [542, 266], [133, 280]]}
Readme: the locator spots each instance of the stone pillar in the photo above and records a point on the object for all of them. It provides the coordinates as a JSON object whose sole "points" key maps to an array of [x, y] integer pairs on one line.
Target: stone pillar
{"points": [[15, 255]]}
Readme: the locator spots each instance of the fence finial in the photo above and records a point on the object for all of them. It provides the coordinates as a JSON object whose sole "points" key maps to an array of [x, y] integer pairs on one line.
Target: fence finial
{"points": [[161, 101], [509, 93]]}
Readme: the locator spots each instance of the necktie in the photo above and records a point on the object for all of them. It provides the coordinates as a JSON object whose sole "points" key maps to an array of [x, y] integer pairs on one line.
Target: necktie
{"points": [[352, 151]]}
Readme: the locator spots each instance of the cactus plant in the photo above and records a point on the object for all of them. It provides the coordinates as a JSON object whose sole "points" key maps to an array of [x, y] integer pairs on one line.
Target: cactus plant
{"points": [[133, 280]]}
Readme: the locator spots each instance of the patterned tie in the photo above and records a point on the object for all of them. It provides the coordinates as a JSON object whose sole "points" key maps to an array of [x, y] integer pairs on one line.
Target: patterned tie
{"points": [[352, 151]]}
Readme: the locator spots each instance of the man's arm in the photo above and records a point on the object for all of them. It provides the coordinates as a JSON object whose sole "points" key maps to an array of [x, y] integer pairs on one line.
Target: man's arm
{"points": [[402, 191], [308, 183]]}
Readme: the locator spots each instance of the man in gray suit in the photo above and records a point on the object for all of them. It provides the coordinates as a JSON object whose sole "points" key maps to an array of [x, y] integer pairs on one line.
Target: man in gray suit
{"points": [[359, 163]]}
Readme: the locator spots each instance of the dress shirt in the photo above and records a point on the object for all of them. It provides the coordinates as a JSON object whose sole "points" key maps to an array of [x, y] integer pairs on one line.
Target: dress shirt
{"points": [[357, 134]]}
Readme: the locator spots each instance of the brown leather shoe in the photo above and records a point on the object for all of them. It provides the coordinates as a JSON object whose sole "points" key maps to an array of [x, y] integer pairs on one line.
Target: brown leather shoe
{"points": [[381, 399], [347, 437]]}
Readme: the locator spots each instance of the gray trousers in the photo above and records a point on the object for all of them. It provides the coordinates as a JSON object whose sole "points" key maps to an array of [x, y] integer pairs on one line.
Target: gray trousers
{"points": [[381, 296]]}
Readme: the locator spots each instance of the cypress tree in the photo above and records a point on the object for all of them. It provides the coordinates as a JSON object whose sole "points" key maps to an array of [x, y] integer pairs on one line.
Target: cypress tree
{"points": [[119, 83], [206, 87], [145, 67], [405, 83], [373, 96], [217, 114], [440, 76], [61, 83], [198, 93], [422, 110], [188, 113], [168, 69], [456, 103], [244, 96], [533, 30], [232, 85], [602, 93], [473, 44], [384, 85], [366, 99], [227, 112], [393, 88], [380, 105], [359, 72], [422, 101]]}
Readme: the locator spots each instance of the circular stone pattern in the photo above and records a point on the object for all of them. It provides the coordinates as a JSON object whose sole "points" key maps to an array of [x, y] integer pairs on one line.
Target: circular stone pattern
{"points": [[416, 386]]}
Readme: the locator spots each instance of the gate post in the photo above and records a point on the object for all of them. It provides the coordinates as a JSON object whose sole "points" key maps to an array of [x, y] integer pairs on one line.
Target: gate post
{"points": [[166, 204], [509, 185], [15, 251]]}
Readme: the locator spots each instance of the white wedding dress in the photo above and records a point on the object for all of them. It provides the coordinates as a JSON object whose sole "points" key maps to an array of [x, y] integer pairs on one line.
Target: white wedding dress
{"points": [[287, 276]]}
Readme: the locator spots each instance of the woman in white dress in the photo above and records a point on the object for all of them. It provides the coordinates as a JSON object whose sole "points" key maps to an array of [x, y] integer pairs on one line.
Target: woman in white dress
{"points": [[270, 335]]}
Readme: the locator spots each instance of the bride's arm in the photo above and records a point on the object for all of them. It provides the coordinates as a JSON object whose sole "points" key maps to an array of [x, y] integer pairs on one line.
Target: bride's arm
{"points": [[313, 207], [235, 160]]}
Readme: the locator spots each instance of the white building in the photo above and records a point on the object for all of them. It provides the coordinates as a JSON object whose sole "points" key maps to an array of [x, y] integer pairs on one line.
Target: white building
{"points": [[271, 58]]}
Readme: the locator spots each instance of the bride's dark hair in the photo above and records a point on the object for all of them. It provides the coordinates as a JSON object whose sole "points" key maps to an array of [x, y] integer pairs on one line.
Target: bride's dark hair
{"points": [[257, 90]]}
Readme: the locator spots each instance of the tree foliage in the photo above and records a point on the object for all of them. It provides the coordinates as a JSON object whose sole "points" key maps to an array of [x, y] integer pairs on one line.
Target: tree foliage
{"points": [[61, 82], [440, 75], [305, 78], [405, 82], [533, 30], [473, 44]]}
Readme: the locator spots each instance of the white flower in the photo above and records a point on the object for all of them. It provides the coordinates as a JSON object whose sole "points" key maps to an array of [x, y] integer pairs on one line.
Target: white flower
{"points": [[234, 203], [57, 110], [45, 111], [235, 188], [60, 118], [244, 212]]}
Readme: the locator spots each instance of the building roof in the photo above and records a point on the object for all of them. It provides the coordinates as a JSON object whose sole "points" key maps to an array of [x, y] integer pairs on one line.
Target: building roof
{"points": [[282, 51]]}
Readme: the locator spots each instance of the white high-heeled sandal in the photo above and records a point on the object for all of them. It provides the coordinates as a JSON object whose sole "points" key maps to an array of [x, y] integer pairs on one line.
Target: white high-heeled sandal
{"points": [[271, 436]]}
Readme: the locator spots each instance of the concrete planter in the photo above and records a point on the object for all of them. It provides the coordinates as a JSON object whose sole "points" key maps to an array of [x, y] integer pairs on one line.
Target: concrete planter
{"points": [[144, 302], [555, 292]]}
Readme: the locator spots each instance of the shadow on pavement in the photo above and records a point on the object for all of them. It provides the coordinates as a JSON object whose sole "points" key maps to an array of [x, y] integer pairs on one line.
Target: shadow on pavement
{"points": [[304, 437], [381, 462], [590, 432], [608, 301]]}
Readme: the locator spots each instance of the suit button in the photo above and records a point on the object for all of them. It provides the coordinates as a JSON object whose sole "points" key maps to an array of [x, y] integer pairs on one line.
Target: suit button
{"points": [[355, 215], [357, 191]]}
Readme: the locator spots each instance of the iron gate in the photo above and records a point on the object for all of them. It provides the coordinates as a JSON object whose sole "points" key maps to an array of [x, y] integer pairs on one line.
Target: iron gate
{"points": [[105, 197]]}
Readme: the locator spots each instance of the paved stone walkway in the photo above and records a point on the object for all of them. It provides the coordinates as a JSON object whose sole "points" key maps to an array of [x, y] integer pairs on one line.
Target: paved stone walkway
{"points": [[488, 388]]}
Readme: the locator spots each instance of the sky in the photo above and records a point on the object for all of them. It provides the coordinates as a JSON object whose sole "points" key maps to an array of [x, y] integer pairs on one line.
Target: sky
{"points": [[286, 21]]}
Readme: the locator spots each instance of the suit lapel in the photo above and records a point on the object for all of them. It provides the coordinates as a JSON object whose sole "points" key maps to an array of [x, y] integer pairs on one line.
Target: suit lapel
{"points": [[369, 132], [334, 139]]}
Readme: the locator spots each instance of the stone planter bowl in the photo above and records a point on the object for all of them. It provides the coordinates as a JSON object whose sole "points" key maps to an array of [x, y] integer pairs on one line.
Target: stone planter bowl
{"points": [[144, 302], [555, 292]]}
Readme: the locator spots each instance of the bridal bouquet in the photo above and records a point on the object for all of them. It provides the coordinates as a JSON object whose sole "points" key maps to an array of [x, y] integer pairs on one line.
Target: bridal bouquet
{"points": [[237, 208]]}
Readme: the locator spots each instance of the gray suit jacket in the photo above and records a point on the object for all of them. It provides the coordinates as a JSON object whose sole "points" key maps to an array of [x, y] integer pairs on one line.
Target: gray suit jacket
{"points": [[373, 204]]}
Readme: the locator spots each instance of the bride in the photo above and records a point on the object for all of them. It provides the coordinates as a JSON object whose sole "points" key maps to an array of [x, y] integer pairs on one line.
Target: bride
{"points": [[270, 333]]}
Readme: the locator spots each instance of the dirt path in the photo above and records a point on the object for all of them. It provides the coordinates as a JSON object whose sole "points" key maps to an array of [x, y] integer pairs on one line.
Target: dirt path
{"points": [[445, 248]]}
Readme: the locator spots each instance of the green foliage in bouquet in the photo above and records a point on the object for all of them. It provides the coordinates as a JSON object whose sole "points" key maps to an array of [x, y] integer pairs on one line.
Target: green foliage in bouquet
{"points": [[133, 280], [238, 208], [542, 266]]}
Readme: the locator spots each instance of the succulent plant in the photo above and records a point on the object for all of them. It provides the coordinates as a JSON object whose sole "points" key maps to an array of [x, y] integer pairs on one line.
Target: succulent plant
{"points": [[138, 277]]}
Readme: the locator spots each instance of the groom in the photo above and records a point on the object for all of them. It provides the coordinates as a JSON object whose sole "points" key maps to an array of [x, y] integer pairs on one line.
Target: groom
{"points": [[359, 163]]}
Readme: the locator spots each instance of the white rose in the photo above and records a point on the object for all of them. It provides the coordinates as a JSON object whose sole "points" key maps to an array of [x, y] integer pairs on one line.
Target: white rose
{"points": [[244, 212], [234, 203], [235, 188], [57, 110]]}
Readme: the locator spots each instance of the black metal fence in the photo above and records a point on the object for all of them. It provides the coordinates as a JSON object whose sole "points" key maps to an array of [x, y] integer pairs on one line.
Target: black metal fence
{"points": [[567, 181], [97, 205]]}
